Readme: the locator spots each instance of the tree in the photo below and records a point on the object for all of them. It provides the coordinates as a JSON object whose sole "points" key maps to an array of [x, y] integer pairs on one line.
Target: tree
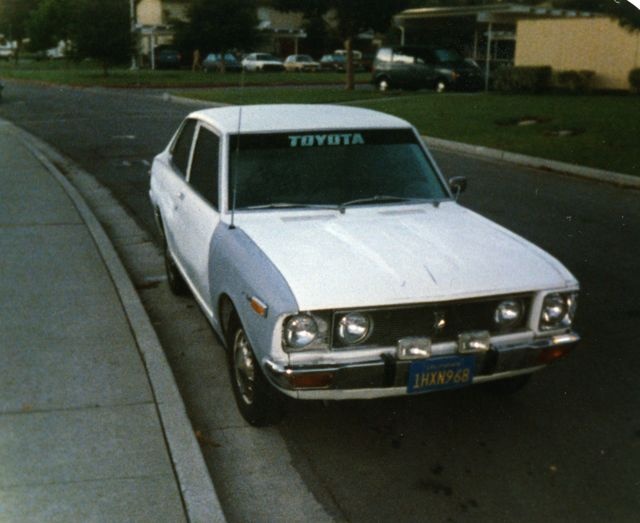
{"points": [[49, 23], [14, 16], [218, 26], [349, 18], [101, 29]]}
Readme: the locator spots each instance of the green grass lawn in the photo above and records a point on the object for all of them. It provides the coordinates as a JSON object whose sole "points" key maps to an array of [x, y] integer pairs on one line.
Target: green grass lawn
{"points": [[260, 95], [598, 131], [593, 130], [91, 74]]}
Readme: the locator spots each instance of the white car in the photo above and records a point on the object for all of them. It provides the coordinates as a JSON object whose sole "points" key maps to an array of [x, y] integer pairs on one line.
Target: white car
{"points": [[328, 251], [301, 62], [262, 62], [6, 52]]}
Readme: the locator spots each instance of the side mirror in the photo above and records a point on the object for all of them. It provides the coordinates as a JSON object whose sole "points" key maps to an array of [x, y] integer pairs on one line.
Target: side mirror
{"points": [[458, 185]]}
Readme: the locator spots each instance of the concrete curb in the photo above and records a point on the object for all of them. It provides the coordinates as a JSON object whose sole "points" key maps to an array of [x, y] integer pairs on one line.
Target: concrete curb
{"points": [[623, 180], [198, 493]]}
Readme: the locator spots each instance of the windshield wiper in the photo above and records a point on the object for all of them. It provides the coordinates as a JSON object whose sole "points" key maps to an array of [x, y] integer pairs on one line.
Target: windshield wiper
{"points": [[381, 198], [287, 205]]}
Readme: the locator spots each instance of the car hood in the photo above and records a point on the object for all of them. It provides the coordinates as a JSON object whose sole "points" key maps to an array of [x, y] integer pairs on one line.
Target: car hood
{"points": [[386, 255]]}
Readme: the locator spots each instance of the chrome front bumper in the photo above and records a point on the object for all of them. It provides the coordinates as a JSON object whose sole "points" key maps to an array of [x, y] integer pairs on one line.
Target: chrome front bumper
{"points": [[388, 376]]}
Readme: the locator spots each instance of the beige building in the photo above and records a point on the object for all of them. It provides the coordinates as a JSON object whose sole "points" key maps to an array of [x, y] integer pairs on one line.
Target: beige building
{"points": [[506, 34], [153, 22], [160, 12], [597, 44]]}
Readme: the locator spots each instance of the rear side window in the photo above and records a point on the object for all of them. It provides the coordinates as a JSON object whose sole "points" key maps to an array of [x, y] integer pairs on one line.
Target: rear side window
{"points": [[182, 147], [403, 58], [384, 55], [204, 167]]}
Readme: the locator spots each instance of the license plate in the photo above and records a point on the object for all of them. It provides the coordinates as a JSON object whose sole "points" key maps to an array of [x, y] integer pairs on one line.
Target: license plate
{"points": [[448, 372]]}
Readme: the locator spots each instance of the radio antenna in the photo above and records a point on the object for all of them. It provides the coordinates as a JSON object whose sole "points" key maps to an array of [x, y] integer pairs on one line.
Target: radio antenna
{"points": [[237, 157]]}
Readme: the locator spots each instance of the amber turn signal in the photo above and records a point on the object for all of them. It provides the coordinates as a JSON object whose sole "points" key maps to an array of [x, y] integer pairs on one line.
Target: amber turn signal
{"points": [[553, 354], [312, 380]]}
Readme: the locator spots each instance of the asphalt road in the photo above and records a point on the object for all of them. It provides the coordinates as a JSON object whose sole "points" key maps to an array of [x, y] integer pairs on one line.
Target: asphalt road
{"points": [[567, 448]]}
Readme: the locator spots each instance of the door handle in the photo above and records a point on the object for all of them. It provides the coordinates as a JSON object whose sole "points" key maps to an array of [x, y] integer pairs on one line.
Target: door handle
{"points": [[181, 196]]}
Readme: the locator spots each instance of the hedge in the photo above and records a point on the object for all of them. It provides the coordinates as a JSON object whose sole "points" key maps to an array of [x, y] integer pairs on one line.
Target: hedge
{"points": [[574, 81], [634, 80], [522, 79]]}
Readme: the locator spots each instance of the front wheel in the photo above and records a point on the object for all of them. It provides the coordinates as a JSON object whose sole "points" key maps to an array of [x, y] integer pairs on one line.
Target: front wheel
{"points": [[259, 403], [442, 86]]}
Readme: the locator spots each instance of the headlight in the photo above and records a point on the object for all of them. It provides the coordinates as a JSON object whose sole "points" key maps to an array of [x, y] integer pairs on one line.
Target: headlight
{"points": [[558, 311], [353, 328], [508, 313], [300, 331]]}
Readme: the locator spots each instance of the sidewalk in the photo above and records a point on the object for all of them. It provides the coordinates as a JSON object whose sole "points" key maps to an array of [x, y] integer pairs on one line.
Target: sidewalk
{"points": [[90, 425]]}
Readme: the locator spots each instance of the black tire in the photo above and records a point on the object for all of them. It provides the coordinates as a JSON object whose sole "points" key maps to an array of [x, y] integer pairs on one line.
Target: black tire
{"points": [[258, 401], [442, 86], [508, 386], [383, 84], [175, 280]]}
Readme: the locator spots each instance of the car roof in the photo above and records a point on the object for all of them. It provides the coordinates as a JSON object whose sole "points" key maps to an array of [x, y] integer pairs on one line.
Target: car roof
{"points": [[296, 117]]}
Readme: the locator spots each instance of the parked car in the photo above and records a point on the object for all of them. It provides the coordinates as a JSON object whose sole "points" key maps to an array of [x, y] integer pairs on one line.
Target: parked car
{"points": [[6, 52], [333, 62], [167, 58], [414, 67], [326, 248], [262, 62], [301, 62], [213, 62], [361, 61], [357, 55]]}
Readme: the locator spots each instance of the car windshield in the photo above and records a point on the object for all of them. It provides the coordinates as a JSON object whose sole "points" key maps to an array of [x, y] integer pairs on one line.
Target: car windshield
{"points": [[303, 58], [330, 168], [266, 57]]}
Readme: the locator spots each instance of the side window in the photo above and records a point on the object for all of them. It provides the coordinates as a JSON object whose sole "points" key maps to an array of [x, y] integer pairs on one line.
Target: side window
{"points": [[402, 58], [203, 176], [182, 147], [384, 54]]}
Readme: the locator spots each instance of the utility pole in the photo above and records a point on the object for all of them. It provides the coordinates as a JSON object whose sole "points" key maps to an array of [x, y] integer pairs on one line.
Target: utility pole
{"points": [[132, 18]]}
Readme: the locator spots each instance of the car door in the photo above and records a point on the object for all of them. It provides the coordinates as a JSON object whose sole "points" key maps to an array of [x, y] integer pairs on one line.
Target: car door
{"points": [[430, 68], [403, 69], [173, 182], [199, 213]]}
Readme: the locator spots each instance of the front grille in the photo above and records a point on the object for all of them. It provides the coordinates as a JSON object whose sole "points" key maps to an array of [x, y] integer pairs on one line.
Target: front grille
{"points": [[391, 324]]}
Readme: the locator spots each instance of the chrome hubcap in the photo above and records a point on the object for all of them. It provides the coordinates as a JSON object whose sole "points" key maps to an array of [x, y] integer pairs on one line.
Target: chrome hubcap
{"points": [[244, 367], [383, 85]]}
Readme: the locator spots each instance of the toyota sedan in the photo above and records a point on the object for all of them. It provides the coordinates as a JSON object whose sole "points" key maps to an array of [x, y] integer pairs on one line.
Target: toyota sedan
{"points": [[328, 251]]}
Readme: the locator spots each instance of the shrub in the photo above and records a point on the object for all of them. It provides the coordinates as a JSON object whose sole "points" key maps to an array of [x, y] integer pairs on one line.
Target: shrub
{"points": [[530, 79], [575, 81], [634, 80]]}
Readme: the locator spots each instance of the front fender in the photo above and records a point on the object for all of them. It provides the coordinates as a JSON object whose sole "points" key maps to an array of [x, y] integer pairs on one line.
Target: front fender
{"points": [[241, 271]]}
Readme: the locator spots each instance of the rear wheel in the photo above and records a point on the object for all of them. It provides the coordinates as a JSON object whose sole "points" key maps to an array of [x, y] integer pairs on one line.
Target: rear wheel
{"points": [[383, 84], [175, 280], [258, 401]]}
